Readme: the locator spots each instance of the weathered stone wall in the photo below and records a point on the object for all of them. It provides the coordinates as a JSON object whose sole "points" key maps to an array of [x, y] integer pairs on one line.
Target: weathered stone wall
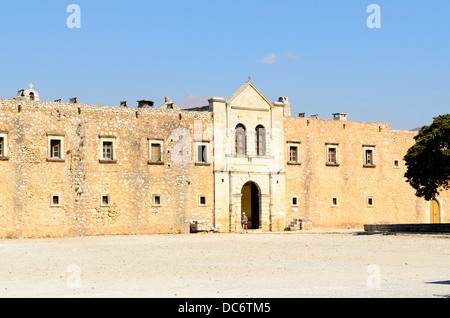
{"points": [[29, 179], [315, 183], [80, 178]]}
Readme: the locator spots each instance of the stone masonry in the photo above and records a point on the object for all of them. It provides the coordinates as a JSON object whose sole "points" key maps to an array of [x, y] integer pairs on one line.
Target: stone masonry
{"points": [[70, 169]]}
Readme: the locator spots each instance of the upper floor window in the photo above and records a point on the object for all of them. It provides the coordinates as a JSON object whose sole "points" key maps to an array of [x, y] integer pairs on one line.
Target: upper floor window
{"points": [[241, 144], [201, 153], [108, 149], [332, 154], [55, 147], [293, 152], [3, 145], [260, 140], [369, 152], [156, 151]]}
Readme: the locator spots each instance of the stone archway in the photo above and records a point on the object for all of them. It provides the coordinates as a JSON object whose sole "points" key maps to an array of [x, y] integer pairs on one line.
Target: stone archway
{"points": [[251, 205]]}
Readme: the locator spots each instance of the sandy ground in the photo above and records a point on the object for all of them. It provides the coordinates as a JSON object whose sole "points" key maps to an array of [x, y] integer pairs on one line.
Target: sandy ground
{"points": [[304, 264]]}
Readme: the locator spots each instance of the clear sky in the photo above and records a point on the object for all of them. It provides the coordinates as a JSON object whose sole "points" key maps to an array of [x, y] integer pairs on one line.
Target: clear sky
{"points": [[320, 54]]}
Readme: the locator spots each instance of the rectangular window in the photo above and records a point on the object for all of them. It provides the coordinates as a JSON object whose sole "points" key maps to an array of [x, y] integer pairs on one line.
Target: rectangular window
{"points": [[293, 154], [2, 146], [202, 200], [156, 200], [202, 155], [369, 202], [293, 149], [201, 152], [294, 201], [396, 163], [104, 200], [55, 199], [369, 156], [55, 148], [334, 202], [156, 153], [332, 155], [107, 150]]}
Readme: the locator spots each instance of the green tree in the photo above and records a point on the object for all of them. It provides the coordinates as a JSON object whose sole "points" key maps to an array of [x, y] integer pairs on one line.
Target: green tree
{"points": [[428, 160]]}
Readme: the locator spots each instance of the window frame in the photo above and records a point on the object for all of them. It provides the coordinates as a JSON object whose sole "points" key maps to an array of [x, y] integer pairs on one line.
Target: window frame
{"points": [[155, 141], [200, 200], [335, 147], [109, 139], [369, 202], [4, 145], [260, 141], [396, 163], [102, 203], [197, 145], [334, 205], [366, 150], [52, 196], [154, 204], [240, 133], [296, 145], [51, 137]]}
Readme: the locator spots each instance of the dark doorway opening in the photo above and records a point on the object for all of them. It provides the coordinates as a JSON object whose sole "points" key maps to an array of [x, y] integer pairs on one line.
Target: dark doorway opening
{"points": [[250, 204]]}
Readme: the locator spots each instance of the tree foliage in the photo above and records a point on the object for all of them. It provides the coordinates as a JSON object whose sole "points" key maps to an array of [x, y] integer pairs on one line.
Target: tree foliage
{"points": [[428, 160]]}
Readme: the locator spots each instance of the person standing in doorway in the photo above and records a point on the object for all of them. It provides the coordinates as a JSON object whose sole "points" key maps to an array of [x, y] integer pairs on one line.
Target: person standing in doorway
{"points": [[244, 223]]}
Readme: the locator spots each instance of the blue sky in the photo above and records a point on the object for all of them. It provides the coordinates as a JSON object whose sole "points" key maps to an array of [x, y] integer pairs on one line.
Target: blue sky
{"points": [[320, 54]]}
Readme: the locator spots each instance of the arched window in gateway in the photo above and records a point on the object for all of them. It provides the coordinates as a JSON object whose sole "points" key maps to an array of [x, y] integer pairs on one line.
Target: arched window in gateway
{"points": [[260, 140], [241, 144]]}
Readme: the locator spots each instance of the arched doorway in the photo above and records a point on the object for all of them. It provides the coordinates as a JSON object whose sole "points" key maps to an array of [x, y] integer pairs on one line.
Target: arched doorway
{"points": [[250, 204], [435, 212]]}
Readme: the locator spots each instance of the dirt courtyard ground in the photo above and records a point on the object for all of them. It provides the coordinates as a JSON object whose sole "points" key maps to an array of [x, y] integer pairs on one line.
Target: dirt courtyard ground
{"points": [[291, 265]]}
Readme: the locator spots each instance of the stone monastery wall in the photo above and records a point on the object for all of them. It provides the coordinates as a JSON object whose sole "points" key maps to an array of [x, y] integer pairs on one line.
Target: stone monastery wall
{"points": [[125, 195], [76, 169], [351, 193]]}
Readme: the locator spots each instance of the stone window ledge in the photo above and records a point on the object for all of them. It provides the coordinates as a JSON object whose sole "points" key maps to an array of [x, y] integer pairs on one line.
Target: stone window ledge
{"points": [[2, 158], [369, 166], [107, 161], [56, 160], [202, 163], [293, 163], [156, 163], [332, 164]]}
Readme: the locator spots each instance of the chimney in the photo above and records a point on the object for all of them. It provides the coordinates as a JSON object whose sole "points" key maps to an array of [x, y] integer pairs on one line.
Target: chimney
{"points": [[301, 115], [73, 100], [145, 103], [316, 116], [340, 116], [57, 100], [123, 103], [287, 106]]}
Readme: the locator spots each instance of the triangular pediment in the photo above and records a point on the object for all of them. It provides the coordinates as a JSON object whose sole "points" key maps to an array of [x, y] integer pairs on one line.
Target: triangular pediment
{"points": [[248, 96]]}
